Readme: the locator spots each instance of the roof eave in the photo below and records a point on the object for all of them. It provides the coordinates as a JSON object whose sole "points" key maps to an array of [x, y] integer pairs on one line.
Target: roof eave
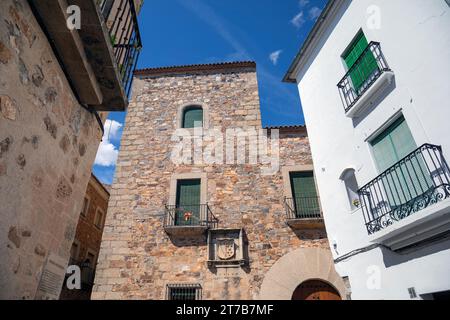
{"points": [[317, 28]]}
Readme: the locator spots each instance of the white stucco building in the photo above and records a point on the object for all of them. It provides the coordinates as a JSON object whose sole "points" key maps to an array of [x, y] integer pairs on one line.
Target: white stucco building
{"points": [[374, 82]]}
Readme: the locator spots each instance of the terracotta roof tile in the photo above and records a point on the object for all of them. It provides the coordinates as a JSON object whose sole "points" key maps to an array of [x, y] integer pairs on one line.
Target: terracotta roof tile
{"points": [[196, 68]]}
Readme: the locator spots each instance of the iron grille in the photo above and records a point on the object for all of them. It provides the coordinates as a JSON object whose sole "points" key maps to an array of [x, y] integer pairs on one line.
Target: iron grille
{"points": [[184, 292], [303, 208], [350, 94], [190, 215], [121, 20]]}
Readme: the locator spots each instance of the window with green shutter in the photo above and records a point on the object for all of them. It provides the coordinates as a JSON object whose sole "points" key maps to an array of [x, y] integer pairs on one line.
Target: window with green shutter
{"points": [[408, 179], [304, 194], [192, 117], [361, 62], [188, 202]]}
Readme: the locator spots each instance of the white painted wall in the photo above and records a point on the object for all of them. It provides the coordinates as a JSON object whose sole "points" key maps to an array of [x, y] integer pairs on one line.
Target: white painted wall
{"points": [[415, 39]]}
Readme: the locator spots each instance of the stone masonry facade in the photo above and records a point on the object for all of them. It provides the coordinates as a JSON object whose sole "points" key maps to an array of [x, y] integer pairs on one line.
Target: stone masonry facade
{"points": [[48, 143], [88, 236], [138, 259]]}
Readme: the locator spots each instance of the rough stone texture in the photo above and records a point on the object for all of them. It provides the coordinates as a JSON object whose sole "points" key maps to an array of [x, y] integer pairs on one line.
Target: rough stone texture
{"points": [[8, 108], [38, 110], [137, 258], [88, 236]]}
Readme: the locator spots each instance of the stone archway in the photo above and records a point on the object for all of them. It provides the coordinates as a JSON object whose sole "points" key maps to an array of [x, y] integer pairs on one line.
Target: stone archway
{"points": [[297, 267]]}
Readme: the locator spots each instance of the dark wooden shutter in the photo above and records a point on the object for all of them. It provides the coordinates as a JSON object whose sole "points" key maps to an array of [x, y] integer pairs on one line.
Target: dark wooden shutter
{"points": [[365, 67], [188, 201], [410, 178], [304, 192]]}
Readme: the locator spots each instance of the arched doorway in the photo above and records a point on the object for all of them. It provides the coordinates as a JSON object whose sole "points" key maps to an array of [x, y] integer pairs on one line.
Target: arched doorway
{"points": [[315, 290]]}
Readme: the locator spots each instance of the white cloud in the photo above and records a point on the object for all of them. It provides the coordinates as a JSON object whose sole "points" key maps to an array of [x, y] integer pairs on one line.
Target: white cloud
{"points": [[112, 129], [274, 56], [314, 13], [303, 3], [298, 20], [107, 152]]}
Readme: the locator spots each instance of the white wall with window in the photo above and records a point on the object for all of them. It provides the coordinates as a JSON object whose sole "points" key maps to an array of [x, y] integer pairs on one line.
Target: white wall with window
{"points": [[391, 61]]}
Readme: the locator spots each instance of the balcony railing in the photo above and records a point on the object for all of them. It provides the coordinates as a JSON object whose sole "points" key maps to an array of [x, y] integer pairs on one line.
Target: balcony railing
{"points": [[416, 182], [303, 208], [362, 75], [121, 20], [190, 216]]}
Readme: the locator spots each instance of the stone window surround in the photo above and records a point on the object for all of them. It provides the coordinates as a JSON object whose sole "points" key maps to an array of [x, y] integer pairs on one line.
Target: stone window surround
{"points": [[84, 211], [183, 107], [100, 226], [287, 170], [188, 176]]}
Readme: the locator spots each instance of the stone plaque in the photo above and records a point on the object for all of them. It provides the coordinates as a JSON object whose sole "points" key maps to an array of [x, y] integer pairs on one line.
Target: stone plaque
{"points": [[226, 248], [52, 278]]}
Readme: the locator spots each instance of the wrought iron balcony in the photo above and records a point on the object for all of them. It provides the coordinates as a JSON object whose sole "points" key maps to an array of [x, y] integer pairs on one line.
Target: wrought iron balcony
{"points": [[98, 57], [362, 76], [303, 212], [121, 20], [189, 219], [417, 182]]}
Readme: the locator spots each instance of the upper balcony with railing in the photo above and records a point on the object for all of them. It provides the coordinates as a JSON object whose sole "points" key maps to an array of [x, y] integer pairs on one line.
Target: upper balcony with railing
{"points": [[189, 220], [409, 200], [100, 54], [121, 20], [367, 77], [304, 212]]}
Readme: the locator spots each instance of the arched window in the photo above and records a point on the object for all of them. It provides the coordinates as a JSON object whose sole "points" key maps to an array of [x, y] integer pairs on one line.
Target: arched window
{"points": [[192, 117], [351, 185]]}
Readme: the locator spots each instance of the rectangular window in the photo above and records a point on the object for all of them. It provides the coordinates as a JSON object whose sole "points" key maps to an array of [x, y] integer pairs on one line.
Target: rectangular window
{"points": [[188, 202], [304, 194], [393, 144], [184, 292], [74, 252], [360, 62], [85, 208], [409, 178], [99, 218]]}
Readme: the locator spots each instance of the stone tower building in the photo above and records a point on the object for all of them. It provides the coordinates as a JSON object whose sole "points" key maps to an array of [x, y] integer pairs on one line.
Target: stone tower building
{"points": [[203, 229]]}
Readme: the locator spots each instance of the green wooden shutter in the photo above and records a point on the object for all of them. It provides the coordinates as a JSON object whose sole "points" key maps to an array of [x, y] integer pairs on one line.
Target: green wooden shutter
{"points": [[304, 194], [411, 178], [188, 201], [193, 117], [366, 66]]}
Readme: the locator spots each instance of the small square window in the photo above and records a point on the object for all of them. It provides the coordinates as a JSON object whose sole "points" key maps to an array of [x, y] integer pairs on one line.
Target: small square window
{"points": [[184, 292]]}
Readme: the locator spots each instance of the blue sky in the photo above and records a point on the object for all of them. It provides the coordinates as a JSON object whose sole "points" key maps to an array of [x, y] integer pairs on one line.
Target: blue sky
{"points": [[180, 32]]}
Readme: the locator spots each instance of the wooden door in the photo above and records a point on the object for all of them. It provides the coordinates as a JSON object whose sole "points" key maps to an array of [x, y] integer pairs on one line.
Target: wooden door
{"points": [[188, 202], [315, 290]]}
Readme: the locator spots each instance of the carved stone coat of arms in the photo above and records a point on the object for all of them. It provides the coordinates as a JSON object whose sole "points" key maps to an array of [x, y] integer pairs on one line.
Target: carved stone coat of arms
{"points": [[226, 249]]}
